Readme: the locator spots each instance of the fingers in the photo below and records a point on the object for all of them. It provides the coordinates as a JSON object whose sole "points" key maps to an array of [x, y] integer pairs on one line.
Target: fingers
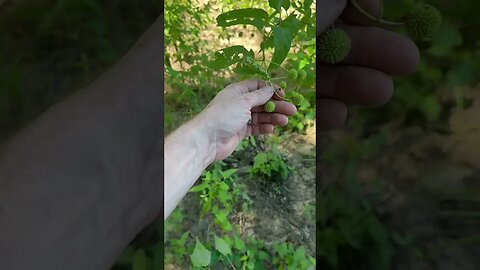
{"points": [[354, 85], [282, 107], [352, 15], [329, 10], [380, 49], [275, 119], [327, 13], [249, 85], [260, 129], [331, 113], [278, 92], [259, 97]]}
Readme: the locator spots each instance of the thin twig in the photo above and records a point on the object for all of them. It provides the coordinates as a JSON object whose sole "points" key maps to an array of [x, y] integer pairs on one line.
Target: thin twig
{"points": [[374, 18], [230, 263]]}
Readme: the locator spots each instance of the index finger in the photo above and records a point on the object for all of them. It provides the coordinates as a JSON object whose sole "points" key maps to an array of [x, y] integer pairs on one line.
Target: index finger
{"points": [[250, 85], [351, 14], [328, 12], [279, 93]]}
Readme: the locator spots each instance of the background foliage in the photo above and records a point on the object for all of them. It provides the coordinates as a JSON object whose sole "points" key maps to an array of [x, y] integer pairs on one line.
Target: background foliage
{"points": [[398, 185]]}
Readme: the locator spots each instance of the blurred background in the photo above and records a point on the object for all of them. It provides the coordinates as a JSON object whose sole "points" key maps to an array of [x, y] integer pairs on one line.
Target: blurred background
{"points": [[51, 48], [399, 186]]}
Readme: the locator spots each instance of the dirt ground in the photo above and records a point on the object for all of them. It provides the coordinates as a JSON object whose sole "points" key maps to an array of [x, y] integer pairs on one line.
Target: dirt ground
{"points": [[277, 213], [283, 215]]}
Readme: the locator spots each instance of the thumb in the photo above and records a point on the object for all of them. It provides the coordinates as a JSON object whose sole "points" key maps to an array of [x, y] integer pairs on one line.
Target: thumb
{"points": [[327, 13], [259, 97]]}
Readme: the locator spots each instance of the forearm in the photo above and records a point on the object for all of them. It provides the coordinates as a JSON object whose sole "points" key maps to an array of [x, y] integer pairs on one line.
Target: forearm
{"points": [[188, 152], [82, 180]]}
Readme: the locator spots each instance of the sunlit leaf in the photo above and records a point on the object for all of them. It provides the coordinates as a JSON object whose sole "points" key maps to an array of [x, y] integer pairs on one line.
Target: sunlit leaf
{"points": [[253, 16], [200, 256], [222, 246]]}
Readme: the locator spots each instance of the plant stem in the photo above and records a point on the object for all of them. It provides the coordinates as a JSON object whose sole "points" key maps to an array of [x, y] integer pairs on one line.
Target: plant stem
{"points": [[275, 91], [277, 65], [231, 263], [374, 18], [380, 9]]}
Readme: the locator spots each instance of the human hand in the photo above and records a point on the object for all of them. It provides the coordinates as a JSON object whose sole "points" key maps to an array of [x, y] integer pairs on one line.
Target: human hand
{"points": [[226, 117], [363, 77]]}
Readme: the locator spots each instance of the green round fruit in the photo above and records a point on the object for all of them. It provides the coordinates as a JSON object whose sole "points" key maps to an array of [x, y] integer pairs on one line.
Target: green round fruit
{"points": [[297, 98], [302, 74], [269, 106], [422, 21], [292, 74], [334, 46], [283, 85]]}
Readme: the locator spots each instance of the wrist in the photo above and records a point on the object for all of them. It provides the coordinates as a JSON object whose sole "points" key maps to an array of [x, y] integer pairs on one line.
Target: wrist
{"points": [[206, 136], [197, 136]]}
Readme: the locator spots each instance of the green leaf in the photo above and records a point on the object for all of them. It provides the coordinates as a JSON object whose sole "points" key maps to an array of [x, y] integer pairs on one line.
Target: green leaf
{"points": [[182, 240], [377, 230], [198, 188], [307, 5], [282, 41], [445, 40], [206, 206], [222, 246], [262, 255], [282, 249], [461, 74], [229, 56], [266, 43], [221, 218], [200, 256], [139, 261], [238, 243], [223, 197], [260, 158], [329, 246], [228, 173], [252, 16], [251, 264], [350, 229], [402, 240], [380, 256], [223, 186], [431, 107], [291, 23], [299, 254], [278, 4]]}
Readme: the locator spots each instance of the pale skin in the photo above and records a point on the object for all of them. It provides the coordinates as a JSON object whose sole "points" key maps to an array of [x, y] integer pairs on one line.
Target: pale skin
{"points": [[78, 183]]}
